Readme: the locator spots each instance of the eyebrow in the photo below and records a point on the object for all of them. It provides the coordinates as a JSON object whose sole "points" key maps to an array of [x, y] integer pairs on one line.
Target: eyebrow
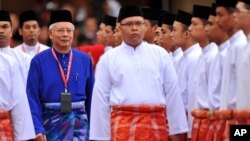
{"points": [[5, 24]]}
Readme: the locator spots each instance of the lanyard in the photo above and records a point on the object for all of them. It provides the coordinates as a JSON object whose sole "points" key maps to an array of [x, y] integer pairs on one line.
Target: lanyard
{"points": [[65, 78], [37, 50]]}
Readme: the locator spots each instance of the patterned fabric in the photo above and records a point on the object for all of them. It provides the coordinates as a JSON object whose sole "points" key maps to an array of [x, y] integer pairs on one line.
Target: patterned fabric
{"points": [[6, 132], [67, 127], [211, 130], [183, 137], [242, 116], [224, 119], [140, 123], [200, 125]]}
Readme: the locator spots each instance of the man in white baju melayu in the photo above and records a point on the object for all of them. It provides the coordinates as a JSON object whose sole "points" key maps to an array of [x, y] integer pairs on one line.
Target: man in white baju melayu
{"points": [[14, 105], [243, 80], [134, 79], [29, 29], [186, 68]]}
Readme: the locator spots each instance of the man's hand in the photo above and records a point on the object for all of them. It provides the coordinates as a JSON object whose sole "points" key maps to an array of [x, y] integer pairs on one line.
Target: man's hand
{"points": [[40, 137]]}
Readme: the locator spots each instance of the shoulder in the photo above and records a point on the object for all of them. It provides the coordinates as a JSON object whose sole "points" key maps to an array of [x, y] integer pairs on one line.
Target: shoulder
{"points": [[44, 46], [7, 60], [18, 47], [21, 55], [42, 55], [157, 50]]}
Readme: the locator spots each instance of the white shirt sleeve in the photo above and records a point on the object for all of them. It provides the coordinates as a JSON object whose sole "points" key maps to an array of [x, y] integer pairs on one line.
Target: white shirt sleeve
{"points": [[20, 114], [100, 109], [176, 116]]}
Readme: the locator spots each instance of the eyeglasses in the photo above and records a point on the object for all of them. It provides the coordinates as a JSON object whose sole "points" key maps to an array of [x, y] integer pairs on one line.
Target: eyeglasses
{"points": [[131, 24], [61, 31]]}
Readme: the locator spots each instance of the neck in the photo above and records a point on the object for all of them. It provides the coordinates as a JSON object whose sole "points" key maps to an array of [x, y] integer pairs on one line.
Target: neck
{"points": [[232, 31], [188, 44], [204, 43], [32, 44], [247, 31], [223, 39], [62, 50], [133, 45], [4, 46], [174, 48]]}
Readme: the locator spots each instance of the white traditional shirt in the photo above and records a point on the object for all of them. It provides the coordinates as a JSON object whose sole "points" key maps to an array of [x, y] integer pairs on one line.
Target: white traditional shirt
{"points": [[214, 86], [22, 59], [108, 48], [31, 50], [228, 90], [202, 76], [171, 55], [13, 98], [177, 54], [186, 71], [141, 75], [243, 79]]}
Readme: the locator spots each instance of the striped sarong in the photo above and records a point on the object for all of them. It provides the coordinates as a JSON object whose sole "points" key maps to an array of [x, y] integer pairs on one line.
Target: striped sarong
{"points": [[222, 121], [66, 127], [6, 132], [242, 116], [200, 125], [139, 123]]}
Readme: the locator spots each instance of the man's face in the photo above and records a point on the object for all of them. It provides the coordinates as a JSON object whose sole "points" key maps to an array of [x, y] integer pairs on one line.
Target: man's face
{"points": [[224, 18], [133, 30], [101, 34], [109, 35], [62, 34], [158, 36], [117, 35], [5, 33], [177, 34], [30, 32], [213, 31], [197, 29], [149, 31], [242, 13], [166, 38]]}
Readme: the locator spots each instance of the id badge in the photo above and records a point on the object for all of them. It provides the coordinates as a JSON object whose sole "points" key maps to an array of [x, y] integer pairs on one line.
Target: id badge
{"points": [[66, 103]]}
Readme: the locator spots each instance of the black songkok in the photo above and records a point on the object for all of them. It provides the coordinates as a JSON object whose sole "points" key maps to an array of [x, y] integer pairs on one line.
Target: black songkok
{"points": [[226, 3], [168, 18], [183, 17], [213, 9], [151, 14], [129, 11], [201, 11], [109, 20], [60, 16], [4, 16], [28, 15]]}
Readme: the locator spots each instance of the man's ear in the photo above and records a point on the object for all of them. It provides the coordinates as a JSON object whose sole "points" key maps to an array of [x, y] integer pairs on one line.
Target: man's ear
{"points": [[50, 34], [186, 34], [20, 31]]}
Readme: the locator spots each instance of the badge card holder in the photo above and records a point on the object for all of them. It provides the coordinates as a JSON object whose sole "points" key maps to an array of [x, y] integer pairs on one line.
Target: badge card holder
{"points": [[66, 102]]}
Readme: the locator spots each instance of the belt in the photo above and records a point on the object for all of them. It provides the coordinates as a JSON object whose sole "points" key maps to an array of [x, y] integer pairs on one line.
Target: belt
{"points": [[241, 114], [57, 106], [4, 114]]}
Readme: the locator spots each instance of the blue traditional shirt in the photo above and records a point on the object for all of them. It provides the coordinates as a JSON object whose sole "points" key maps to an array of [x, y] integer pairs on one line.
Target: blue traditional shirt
{"points": [[45, 84]]}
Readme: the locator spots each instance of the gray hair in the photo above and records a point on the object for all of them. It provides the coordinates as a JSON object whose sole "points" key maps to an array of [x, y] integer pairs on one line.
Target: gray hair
{"points": [[53, 25]]}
